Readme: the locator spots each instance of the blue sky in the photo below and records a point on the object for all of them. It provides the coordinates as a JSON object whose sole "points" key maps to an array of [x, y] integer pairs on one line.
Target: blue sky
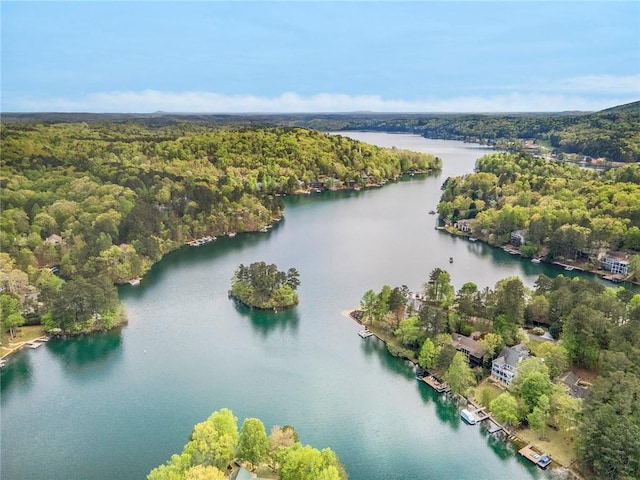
{"points": [[303, 56]]}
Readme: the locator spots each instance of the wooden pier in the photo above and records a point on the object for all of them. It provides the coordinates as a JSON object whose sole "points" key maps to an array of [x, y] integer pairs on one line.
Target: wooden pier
{"points": [[536, 456], [480, 413], [436, 384]]}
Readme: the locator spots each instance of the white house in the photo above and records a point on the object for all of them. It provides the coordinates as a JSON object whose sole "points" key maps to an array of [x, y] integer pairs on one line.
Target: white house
{"points": [[505, 368], [616, 262]]}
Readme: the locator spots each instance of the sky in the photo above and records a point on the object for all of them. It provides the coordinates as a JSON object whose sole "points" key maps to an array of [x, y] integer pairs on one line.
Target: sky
{"points": [[304, 56]]}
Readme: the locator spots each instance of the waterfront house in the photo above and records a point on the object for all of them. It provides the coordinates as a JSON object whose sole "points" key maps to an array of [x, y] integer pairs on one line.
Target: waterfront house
{"points": [[474, 351], [463, 225], [517, 237], [505, 368], [615, 262]]}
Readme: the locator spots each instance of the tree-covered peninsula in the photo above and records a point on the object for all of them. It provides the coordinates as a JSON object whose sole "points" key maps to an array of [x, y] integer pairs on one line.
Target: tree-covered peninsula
{"points": [[92, 204], [550, 209], [218, 451], [263, 286], [460, 337]]}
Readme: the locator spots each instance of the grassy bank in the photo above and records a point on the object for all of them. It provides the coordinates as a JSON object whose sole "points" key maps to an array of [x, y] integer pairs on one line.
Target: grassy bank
{"points": [[24, 334]]}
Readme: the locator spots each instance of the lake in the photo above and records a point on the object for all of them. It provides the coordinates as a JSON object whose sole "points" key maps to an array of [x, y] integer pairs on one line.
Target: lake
{"points": [[114, 406]]}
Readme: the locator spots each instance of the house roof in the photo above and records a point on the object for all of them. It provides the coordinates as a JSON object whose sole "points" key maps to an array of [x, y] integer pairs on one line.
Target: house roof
{"points": [[571, 380], [243, 474], [513, 355], [55, 238], [469, 344]]}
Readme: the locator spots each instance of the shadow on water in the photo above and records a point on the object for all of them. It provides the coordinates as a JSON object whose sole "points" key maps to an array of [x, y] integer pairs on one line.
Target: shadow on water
{"points": [[265, 322], [88, 351], [374, 346], [17, 372]]}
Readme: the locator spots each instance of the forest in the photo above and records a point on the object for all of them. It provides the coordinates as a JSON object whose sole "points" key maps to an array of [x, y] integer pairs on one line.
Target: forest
{"points": [[596, 329], [86, 206], [612, 134], [216, 448], [564, 212]]}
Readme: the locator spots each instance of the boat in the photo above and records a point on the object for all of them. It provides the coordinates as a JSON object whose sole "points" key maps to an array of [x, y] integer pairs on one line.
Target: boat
{"points": [[231, 234], [468, 417], [473, 239], [432, 212], [264, 229], [450, 259], [535, 260], [365, 333]]}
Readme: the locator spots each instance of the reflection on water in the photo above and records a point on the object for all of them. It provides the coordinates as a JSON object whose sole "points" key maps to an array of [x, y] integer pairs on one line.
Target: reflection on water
{"points": [[16, 373], [87, 352], [267, 321]]}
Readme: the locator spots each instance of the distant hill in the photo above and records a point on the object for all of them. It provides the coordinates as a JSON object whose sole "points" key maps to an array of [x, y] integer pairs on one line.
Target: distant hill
{"points": [[633, 107]]}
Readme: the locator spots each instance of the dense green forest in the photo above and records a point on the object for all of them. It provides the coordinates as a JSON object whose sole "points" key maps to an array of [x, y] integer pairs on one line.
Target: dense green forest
{"points": [[598, 329], [613, 134], [88, 205], [216, 448], [565, 211], [263, 286]]}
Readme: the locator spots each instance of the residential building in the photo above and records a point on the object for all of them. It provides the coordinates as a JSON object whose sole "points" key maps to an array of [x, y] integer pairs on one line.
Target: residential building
{"points": [[505, 368], [474, 351], [517, 237], [463, 225], [55, 239], [615, 262], [577, 389]]}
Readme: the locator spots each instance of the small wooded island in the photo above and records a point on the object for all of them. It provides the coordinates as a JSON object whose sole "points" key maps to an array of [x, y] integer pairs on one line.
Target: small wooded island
{"points": [[263, 286]]}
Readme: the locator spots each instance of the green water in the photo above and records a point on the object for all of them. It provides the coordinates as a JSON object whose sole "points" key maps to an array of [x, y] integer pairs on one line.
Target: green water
{"points": [[114, 406]]}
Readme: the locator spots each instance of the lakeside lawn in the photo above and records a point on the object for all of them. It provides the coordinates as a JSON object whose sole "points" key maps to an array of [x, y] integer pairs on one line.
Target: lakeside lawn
{"points": [[559, 445], [24, 334]]}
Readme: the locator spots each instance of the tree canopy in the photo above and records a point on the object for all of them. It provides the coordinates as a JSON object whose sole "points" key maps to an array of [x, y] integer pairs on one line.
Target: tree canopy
{"points": [[215, 443], [263, 286], [103, 200]]}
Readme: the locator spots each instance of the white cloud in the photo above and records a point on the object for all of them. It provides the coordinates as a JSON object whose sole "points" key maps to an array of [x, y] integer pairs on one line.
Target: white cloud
{"points": [[206, 102], [605, 84]]}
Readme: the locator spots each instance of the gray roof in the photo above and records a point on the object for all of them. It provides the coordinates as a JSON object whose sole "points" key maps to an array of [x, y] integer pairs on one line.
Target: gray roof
{"points": [[513, 355], [575, 389], [474, 348]]}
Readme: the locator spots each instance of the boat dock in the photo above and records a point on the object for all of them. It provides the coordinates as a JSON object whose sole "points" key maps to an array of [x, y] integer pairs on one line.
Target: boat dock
{"points": [[37, 342], [479, 413], [436, 384], [534, 455], [365, 333]]}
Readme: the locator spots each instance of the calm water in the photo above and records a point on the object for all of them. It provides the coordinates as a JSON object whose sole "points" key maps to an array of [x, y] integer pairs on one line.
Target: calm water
{"points": [[114, 406]]}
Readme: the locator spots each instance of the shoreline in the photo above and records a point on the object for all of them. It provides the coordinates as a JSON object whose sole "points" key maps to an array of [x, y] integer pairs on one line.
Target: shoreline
{"points": [[510, 435], [580, 267]]}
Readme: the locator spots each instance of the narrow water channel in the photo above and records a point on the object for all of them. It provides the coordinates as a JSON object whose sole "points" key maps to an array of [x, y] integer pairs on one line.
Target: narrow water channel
{"points": [[114, 406]]}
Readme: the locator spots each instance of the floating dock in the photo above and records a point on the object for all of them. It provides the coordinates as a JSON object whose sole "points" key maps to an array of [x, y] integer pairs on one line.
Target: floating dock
{"points": [[534, 455]]}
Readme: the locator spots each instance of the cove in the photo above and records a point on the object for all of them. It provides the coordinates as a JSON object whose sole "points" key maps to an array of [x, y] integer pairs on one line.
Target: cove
{"points": [[118, 404]]}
